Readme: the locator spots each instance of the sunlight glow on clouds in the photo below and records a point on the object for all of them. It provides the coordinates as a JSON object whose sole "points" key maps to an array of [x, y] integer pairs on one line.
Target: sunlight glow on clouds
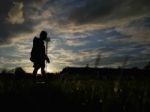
{"points": [[15, 15]]}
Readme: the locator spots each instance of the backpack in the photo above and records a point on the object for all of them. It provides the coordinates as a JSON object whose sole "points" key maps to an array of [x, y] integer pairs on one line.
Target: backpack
{"points": [[34, 50]]}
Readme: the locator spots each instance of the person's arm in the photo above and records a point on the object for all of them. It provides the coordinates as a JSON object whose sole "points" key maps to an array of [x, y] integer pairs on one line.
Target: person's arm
{"points": [[47, 59]]}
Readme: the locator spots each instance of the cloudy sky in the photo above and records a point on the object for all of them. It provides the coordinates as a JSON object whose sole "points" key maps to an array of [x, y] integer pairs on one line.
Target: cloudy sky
{"points": [[80, 30]]}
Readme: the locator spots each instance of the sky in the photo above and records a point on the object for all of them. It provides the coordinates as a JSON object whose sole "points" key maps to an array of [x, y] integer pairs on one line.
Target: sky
{"points": [[80, 31]]}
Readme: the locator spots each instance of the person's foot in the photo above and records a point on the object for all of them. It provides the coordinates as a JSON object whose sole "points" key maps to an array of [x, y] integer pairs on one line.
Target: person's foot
{"points": [[45, 78], [34, 77]]}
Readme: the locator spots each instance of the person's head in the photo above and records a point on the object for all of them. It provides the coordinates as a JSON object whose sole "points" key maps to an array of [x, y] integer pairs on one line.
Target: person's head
{"points": [[43, 35]]}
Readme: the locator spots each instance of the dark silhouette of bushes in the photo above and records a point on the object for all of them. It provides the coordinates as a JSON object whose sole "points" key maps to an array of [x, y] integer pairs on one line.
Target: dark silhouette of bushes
{"points": [[147, 67], [19, 71]]}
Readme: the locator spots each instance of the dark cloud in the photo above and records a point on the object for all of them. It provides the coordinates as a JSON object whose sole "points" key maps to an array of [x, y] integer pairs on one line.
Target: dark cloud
{"points": [[9, 30], [144, 22], [102, 10], [92, 10]]}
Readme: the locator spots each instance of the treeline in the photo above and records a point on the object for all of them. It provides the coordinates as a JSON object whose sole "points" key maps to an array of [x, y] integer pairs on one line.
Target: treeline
{"points": [[104, 73], [84, 73]]}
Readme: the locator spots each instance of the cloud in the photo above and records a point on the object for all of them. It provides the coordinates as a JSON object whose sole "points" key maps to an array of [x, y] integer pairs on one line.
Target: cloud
{"points": [[76, 42], [23, 48], [15, 15], [92, 10], [78, 58], [138, 30], [15, 20], [79, 29], [67, 16]]}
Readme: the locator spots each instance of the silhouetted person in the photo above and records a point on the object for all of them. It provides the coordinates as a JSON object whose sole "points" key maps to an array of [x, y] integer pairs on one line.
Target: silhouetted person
{"points": [[38, 54]]}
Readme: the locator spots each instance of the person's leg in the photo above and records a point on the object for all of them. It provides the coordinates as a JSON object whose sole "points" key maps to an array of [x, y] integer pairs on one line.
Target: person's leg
{"points": [[35, 71], [43, 68], [43, 71]]}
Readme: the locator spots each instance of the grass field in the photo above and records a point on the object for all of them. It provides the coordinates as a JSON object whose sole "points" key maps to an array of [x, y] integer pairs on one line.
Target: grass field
{"points": [[76, 95]]}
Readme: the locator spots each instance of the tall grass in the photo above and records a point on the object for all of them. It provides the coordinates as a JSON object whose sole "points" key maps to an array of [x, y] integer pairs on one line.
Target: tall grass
{"points": [[88, 95]]}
